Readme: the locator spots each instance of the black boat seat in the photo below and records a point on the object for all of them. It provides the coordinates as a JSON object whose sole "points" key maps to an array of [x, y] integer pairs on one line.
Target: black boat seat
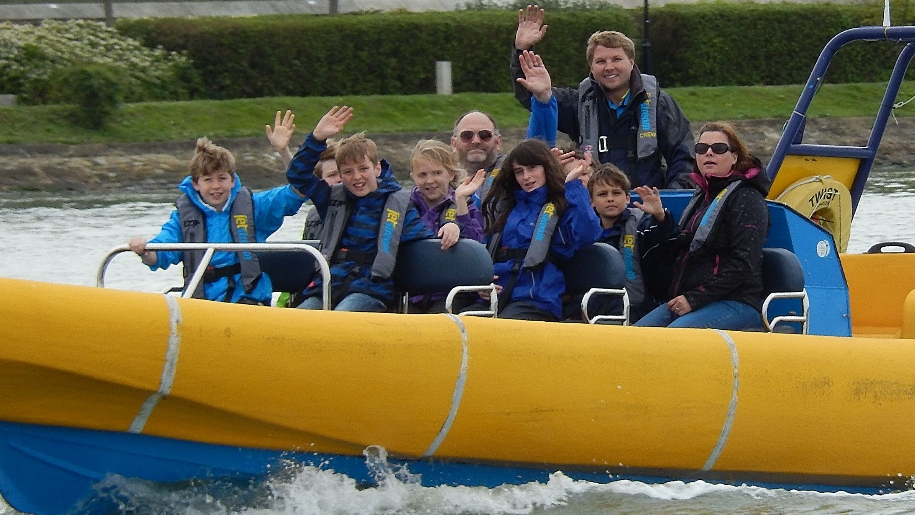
{"points": [[289, 271], [784, 296], [597, 270], [423, 267]]}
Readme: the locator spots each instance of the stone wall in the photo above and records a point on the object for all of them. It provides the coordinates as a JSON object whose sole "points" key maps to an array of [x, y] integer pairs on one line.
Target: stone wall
{"points": [[160, 166]]}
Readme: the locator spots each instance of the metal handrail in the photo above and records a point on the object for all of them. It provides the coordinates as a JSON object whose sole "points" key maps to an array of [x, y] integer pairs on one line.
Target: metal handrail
{"points": [[792, 135], [621, 292], [803, 318], [210, 248], [493, 300]]}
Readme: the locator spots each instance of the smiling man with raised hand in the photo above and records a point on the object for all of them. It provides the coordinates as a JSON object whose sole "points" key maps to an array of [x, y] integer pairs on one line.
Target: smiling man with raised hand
{"points": [[617, 113]]}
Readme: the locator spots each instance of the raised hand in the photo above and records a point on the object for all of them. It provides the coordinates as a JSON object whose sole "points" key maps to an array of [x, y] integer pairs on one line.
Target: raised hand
{"points": [[469, 186], [567, 159], [282, 130], [651, 202], [530, 27], [332, 123], [578, 169], [536, 77]]}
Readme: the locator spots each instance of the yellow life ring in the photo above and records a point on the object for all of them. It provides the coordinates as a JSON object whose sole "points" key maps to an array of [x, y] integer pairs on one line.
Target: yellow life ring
{"points": [[824, 200]]}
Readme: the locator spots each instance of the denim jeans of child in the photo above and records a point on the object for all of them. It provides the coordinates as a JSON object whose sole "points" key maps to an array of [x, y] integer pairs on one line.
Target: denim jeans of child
{"points": [[352, 302]]}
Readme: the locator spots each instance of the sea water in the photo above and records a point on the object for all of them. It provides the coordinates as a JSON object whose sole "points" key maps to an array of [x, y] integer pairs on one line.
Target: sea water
{"points": [[63, 239]]}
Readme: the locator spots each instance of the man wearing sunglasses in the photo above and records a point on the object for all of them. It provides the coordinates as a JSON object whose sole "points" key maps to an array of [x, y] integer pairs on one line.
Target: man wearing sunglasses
{"points": [[617, 113], [477, 143]]}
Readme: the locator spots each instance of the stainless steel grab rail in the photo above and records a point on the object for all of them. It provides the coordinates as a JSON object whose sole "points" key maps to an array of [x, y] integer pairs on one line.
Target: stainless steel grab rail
{"points": [[210, 248]]}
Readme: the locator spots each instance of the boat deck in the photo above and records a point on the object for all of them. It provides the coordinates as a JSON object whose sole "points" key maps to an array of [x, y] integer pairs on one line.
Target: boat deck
{"points": [[881, 290]]}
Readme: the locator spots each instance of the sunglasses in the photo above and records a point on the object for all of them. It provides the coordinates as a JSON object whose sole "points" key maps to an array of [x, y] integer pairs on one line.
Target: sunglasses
{"points": [[467, 136], [718, 148]]}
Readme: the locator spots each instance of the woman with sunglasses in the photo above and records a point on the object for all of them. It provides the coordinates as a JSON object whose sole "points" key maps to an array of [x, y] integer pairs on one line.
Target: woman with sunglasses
{"points": [[717, 265], [535, 214]]}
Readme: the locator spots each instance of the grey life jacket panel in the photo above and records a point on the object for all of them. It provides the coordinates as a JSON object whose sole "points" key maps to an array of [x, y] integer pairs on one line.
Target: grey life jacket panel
{"points": [[589, 120], [334, 221], [313, 225], [710, 216], [194, 230], [539, 250], [630, 251], [389, 229], [395, 210], [487, 184]]}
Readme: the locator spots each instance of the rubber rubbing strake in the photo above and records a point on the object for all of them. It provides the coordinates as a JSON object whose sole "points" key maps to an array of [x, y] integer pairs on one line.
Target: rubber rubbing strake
{"points": [[458, 391], [168, 368], [732, 407], [824, 200]]}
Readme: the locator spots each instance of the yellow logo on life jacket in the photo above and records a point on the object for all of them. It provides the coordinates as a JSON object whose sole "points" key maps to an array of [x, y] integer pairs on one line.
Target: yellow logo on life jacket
{"points": [[241, 221], [629, 241], [392, 217], [549, 208], [451, 214]]}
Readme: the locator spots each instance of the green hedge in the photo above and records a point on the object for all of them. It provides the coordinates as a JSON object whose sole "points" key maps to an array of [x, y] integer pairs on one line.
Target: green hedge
{"points": [[363, 54], [756, 44], [705, 44]]}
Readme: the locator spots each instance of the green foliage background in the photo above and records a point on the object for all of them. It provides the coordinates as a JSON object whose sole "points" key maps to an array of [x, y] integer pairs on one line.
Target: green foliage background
{"points": [[704, 44]]}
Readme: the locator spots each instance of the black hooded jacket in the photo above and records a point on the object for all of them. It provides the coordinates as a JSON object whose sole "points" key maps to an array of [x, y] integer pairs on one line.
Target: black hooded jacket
{"points": [[728, 266]]}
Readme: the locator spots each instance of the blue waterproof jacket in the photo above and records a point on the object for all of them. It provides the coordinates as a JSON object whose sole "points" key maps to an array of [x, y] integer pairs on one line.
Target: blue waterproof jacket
{"points": [[578, 227], [544, 120], [361, 232], [270, 207]]}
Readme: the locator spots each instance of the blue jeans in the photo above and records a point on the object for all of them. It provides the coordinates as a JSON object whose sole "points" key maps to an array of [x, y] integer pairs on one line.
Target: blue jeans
{"points": [[720, 314], [352, 302]]}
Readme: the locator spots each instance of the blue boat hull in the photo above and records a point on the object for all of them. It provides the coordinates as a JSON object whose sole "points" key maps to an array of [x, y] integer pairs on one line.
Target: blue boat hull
{"points": [[78, 462]]}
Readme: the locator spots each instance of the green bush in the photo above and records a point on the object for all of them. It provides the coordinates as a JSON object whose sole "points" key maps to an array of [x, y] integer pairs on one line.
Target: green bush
{"points": [[702, 44], [757, 44], [391, 53], [94, 90], [30, 54], [549, 5]]}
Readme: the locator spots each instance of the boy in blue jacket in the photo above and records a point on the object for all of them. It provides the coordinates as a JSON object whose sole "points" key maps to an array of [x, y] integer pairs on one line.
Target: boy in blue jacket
{"points": [[366, 217], [215, 208]]}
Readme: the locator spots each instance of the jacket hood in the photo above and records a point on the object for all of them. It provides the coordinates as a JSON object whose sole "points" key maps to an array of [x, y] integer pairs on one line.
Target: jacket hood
{"points": [[755, 176], [187, 187], [538, 196]]}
